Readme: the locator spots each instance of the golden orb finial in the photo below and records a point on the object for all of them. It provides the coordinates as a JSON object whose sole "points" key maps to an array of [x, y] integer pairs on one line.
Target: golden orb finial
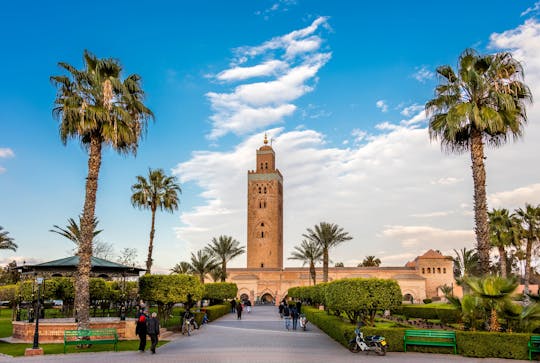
{"points": [[265, 139]]}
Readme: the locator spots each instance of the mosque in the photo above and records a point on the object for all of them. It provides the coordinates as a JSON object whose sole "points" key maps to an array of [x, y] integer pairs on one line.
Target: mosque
{"points": [[266, 280]]}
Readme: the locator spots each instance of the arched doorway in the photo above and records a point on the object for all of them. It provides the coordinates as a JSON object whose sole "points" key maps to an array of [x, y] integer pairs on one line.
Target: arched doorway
{"points": [[244, 297], [267, 299], [408, 298]]}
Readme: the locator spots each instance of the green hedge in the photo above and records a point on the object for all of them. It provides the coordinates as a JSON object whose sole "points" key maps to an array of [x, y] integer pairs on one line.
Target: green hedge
{"points": [[446, 315], [217, 311], [469, 344]]}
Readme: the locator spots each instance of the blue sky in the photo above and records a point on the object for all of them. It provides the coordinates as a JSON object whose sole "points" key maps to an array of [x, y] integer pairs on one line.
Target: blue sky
{"points": [[345, 108]]}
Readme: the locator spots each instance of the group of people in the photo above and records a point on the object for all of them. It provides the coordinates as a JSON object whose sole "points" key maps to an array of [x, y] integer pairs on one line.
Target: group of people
{"points": [[147, 325], [290, 313], [238, 306]]}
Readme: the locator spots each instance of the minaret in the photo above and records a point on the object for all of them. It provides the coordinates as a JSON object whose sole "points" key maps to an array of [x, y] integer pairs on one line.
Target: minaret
{"points": [[265, 212]]}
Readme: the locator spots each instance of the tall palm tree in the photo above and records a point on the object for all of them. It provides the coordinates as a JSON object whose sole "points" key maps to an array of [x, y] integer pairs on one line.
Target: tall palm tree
{"points": [[495, 291], [73, 231], [309, 252], [530, 222], [158, 191], [217, 274], [96, 107], [465, 263], [371, 261], [181, 268], [202, 264], [482, 103], [326, 235], [6, 242], [224, 249], [502, 234]]}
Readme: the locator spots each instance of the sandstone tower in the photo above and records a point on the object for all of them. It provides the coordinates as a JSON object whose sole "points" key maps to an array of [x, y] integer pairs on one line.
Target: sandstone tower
{"points": [[265, 212]]}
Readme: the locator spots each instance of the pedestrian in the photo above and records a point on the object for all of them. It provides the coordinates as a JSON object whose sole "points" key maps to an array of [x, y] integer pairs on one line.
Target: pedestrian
{"points": [[248, 306], [287, 317], [299, 307], [280, 309], [239, 311], [152, 326], [294, 317], [141, 331], [233, 306]]}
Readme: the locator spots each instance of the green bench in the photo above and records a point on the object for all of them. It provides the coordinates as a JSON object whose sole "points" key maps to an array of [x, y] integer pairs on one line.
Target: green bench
{"points": [[440, 338], [534, 345], [91, 336]]}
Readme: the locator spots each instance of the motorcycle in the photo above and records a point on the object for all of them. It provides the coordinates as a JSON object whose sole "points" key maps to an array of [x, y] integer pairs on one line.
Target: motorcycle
{"points": [[375, 343], [303, 322]]}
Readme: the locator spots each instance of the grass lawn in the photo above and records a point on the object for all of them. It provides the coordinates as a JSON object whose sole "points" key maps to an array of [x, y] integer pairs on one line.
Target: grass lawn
{"points": [[17, 350], [5, 323]]}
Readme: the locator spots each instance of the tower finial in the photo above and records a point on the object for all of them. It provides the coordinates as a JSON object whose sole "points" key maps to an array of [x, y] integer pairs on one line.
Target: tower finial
{"points": [[265, 139]]}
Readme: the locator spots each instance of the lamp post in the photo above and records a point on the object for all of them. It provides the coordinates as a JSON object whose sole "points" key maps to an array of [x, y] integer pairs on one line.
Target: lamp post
{"points": [[36, 350]]}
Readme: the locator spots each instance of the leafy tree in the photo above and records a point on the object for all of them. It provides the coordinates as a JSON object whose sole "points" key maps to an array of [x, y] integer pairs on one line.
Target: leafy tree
{"points": [[224, 249], [495, 291], [10, 274], [219, 291], [202, 264], [326, 235], [127, 256], [370, 261], [182, 268], [362, 298], [159, 191], [6, 242], [309, 252], [339, 264], [530, 222], [483, 102], [502, 234], [98, 108]]}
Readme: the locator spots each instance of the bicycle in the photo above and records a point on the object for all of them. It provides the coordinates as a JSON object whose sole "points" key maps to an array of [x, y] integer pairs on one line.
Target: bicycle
{"points": [[187, 327]]}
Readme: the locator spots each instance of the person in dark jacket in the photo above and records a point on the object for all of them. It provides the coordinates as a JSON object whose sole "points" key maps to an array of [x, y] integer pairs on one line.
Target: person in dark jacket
{"points": [[152, 326], [294, 317], [141, 331], [239, 311]]}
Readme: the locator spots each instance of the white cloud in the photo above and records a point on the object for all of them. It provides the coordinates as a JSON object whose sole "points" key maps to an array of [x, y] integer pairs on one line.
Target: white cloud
{"points": [[532, 9], [6, 152], [252, 106], [412, 109], [447, 181], [422, 74], [432, 214], [381, 104], [278, 6], [424, 236], [359, 135], [516, 198]]}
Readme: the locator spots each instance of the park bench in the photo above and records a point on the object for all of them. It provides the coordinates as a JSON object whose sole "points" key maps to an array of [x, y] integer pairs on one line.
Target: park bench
{"points": [[91, 336], [440, 338], [534, 345]]}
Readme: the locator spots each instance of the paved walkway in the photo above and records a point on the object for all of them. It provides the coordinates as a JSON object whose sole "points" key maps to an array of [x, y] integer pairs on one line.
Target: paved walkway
{"points": [[259, 337]]}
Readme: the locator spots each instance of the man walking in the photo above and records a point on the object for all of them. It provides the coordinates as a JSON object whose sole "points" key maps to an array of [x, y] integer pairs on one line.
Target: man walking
{"points": [[141, 331], [287, 316], [294, 316], [152, 325]]}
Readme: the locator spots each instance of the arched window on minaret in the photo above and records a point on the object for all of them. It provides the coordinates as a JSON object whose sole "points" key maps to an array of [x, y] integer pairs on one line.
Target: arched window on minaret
{"points": [[264, 190], [264, 203], [260, 190], [262, 224], [261, 166], [266, 165], [262, 234]]}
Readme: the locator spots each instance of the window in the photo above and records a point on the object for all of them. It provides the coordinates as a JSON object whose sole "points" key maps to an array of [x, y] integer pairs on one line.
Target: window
{"points": [[444, 270], [260, 204], [262, 265], [433, 269], [260, 190], [262, 224], [428, 270], [423, 270], [438, 270], [261, 166], [266, 165], [264, 190], [264, 204], [262, 234]]}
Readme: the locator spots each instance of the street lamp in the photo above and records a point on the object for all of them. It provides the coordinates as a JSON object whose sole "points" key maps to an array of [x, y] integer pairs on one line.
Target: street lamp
{"points": [[39, 281]]}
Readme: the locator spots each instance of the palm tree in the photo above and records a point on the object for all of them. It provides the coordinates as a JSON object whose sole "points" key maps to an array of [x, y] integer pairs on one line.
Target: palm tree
{"points": [[483, 103], [326, 235], [217, 274], [502, 234], [158, 191], [495, 291], [530, 222], [370, 261], [181, 268], [6, 242], [202, 264], [465, 263], [99, 109], [224, 249], [309, 252], [73, 232]]}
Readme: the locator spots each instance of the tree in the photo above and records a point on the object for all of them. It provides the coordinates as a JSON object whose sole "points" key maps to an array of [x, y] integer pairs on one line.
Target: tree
{"points": [[530, 222], [495, 291], [326, 235], [219, 291], [224, 249], [217, 274], [181, 268], [502, 234], [202, 264], [482, 103], [6, 242], [9, 274], [73, 233], [370, 261], [159, 191], [127, 256], [309, 252], [339, 264], [99, 109], [465, 263]]}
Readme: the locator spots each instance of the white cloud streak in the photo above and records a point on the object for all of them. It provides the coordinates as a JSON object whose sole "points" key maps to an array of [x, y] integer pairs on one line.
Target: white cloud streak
{"points": [[381, 104], [423, 74]]}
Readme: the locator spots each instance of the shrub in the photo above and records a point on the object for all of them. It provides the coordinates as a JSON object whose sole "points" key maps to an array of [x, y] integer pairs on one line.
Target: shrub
{"points": [[217, 311], [219, 291], [427, 301], [446, 315]]}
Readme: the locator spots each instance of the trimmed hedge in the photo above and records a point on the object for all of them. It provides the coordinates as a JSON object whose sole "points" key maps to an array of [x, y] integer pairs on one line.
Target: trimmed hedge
{"points": [[445, 315], [220, 290], [217, 311], [469, 343]]}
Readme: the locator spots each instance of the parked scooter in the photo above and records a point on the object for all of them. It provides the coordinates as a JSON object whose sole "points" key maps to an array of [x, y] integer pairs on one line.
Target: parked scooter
{"points": [[375, 343], [303, 322]]}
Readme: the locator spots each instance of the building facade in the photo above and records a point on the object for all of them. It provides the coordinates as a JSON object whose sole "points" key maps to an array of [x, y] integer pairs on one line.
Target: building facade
{"points": [[266, 280]]}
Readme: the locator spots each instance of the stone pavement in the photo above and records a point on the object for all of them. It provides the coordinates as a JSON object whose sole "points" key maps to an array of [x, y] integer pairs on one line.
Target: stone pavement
{"points": [[259, 337]]}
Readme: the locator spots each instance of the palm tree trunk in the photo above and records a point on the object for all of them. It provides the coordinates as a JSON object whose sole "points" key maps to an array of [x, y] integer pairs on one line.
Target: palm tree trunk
{"points": [[527, 276], [82, 292], [313, 272], [480, 200], [502, 258], [224, 270], [201, 277], [325, 265], [151, 244]]}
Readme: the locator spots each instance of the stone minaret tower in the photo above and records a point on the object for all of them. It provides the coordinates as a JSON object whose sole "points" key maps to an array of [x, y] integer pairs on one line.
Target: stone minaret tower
{"points": [[265, 212]]}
